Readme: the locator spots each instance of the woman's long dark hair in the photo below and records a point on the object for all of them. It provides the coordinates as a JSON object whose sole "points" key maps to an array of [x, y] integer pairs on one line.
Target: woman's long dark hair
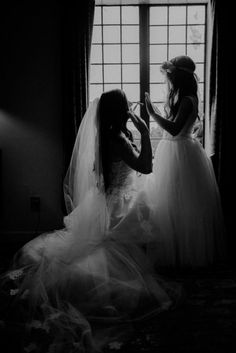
{"points": [[182, 83], [113, 108]]}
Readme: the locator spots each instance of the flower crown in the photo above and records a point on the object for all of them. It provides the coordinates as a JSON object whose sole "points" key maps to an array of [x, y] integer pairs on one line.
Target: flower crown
{"points": [[169, 67]]}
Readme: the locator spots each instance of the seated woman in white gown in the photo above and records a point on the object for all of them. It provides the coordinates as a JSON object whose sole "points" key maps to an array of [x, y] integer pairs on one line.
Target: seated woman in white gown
{"points": [[94, 271], [186, 214]]}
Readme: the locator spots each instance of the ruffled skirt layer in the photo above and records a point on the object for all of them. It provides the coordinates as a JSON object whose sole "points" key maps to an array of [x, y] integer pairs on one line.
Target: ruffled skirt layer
{"points": [[185, 208]]}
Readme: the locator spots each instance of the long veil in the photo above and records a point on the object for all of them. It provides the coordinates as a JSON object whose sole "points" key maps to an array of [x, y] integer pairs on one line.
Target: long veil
{"points": [[87, 219], [85, 169]]}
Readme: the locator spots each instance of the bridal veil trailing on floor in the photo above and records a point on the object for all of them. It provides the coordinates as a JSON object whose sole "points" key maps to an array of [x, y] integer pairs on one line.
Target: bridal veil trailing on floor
{"points": [[83, 283]]}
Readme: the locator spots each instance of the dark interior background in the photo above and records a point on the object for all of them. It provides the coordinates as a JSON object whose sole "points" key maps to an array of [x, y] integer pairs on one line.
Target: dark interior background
{"points": [[32, 119]]}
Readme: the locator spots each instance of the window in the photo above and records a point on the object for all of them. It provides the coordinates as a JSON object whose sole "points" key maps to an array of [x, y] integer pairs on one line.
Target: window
{"points": [[130, 43]]}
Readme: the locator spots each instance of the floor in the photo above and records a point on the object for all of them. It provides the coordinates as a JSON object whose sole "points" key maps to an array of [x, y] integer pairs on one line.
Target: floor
{"points": [[204, 321]]}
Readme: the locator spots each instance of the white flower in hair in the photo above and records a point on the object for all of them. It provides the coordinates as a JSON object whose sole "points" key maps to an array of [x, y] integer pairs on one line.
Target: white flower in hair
{"points": [[168, 66], [182, 62]]}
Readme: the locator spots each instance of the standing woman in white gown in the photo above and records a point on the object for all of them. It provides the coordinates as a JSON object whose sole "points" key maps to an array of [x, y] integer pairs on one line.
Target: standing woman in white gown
{"points": [[78, 282], [186, 212]]}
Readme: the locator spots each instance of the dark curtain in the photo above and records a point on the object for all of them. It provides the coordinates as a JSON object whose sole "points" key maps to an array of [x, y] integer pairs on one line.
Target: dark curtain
{"points": [[77, 26], [221, 107]]}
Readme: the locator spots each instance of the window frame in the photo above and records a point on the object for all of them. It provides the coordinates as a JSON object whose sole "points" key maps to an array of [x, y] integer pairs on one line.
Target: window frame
{"points": [[144, 46]]}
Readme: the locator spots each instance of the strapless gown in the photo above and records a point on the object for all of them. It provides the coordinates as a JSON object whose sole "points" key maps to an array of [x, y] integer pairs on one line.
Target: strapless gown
{"points": [[185, 207]]}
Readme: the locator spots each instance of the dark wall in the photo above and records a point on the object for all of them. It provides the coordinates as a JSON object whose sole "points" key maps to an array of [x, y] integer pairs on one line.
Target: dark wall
{"points": [[30, 115]]}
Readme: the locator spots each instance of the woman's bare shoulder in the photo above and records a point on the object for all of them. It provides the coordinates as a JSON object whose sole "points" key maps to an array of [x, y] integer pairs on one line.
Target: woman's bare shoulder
{"points": [[122, 145], [116, 145]]}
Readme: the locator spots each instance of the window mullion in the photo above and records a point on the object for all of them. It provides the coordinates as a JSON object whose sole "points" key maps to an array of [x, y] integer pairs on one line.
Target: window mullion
{"points": [[144, 56]]}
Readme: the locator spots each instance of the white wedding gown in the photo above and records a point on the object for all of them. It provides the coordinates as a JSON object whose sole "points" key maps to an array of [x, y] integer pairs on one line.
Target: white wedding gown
{"points": [[75, 279], [85, 282], [185, 206]]}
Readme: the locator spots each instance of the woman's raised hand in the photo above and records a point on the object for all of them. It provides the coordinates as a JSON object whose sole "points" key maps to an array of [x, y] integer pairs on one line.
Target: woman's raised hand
{"points": [[138, 122], [151, 109]]}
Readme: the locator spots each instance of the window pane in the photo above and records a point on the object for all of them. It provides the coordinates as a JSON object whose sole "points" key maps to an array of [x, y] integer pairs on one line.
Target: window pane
{"points": [[95, 91], [158, 34], [196, 34], [161, 107], [97, 34], [201, 90], [158, 53], [155, 143], [200, 71], [177, 14], [196, 14], [158, 15], [132, 91], [177, 34], [201, 110], [111, 34], [158, 92], [155, 130], [137, 109], [155, 74], [111, 53], [108, 87], [130, 73], [130, 14], [130, 53], [112, 73], [97, 15], [96, 54], [96, 73], [175, 50], [111, 15], [196, 52], [130, 34]]}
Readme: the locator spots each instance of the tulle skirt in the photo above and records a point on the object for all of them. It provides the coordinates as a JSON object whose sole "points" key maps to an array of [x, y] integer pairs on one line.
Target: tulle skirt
{"points": [[185, 207], [86, 284]]}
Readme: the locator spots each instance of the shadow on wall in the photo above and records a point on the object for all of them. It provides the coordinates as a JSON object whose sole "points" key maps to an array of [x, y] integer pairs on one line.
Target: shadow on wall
{"points": [[30, 117]]}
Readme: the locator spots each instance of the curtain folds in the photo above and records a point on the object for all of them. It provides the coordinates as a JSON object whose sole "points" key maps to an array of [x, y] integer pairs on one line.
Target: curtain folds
{"points": [[220, 111], [77, 27], [211, 77]]}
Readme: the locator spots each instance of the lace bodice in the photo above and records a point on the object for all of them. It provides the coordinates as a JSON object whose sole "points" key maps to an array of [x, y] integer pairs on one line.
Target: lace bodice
{"points": [[121, 191], [121, 178]]}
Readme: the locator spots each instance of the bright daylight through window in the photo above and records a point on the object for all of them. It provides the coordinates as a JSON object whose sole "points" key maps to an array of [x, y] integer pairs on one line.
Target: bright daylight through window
{"points": [[130, 43]]}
